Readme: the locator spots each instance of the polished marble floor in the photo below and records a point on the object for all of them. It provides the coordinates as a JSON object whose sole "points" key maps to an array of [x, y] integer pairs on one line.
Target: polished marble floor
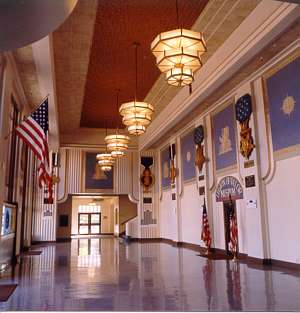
{"points": [[106, 274]]}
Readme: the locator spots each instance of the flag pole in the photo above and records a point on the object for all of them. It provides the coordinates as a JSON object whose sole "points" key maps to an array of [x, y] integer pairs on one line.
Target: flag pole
{"points": [[25, 117]]}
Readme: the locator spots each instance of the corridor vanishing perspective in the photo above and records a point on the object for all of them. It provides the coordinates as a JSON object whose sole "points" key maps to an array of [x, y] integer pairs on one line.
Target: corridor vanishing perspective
{"points": [[149, 155], [93, 273]]}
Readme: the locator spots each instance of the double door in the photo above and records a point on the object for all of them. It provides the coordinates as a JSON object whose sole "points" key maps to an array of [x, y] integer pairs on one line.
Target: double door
{"points": [[89, 223]]}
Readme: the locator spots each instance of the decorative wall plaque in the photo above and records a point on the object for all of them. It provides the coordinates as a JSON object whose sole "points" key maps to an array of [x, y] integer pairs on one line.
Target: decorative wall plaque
{"points": [[249, 163], [201, 177], [147, 178], [228, 187], [147, 200], [173, 170], [198, 139], [250, 181], [243, 110], [202, 191]]}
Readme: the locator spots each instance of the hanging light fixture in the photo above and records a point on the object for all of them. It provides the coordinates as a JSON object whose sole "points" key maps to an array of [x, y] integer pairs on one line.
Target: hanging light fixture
{"points": [[117, 143], [178, 53], [137, 115], [105, 160]]}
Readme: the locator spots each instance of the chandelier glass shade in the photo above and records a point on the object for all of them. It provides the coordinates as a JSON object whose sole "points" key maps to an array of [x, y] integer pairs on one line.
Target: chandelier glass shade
{"points": [[178, 54], [117, 144], [180, 76], [135, 129], [106, 161], [137, 116]]}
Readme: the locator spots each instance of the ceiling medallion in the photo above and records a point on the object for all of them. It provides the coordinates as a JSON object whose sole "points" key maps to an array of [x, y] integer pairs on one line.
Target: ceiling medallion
{"points": [[106, 161], [136, 115], [178, 54]]}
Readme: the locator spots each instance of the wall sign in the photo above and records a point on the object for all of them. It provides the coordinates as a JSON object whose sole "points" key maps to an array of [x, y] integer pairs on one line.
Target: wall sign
{"points": [[229, 185], [250, 181], [201, 191]]}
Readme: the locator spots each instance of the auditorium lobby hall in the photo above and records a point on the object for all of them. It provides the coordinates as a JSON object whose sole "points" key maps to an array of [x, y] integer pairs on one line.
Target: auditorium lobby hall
{"points": [[149, 155]]}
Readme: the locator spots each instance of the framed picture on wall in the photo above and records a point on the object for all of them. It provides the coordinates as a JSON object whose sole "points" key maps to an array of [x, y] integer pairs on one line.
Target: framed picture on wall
{"points": [[282, 99], [165, 168], [8, 219], [94, 179], [224, 137], [188, 157]]}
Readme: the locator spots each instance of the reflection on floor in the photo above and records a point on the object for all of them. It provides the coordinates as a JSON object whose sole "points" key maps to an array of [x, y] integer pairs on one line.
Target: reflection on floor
{"points": [[106, 274]]}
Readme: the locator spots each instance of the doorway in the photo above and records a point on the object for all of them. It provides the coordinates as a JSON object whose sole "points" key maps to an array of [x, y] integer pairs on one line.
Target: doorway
{"points": [[89, 223], [229, 208]]}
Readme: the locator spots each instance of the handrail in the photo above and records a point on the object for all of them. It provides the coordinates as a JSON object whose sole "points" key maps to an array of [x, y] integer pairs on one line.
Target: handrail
{"points": [[131, 218]]}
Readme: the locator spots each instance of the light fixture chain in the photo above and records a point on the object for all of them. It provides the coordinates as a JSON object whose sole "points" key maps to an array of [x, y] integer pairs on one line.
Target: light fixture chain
{"points": [[177, 14]]}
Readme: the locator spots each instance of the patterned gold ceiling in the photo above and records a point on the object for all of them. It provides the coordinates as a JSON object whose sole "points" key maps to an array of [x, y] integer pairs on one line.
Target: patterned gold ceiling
{"points": [[72, 47]]}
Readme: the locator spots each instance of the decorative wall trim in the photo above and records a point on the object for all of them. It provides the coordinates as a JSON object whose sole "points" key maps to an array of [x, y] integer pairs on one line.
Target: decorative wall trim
{"points": [[255, 33]]}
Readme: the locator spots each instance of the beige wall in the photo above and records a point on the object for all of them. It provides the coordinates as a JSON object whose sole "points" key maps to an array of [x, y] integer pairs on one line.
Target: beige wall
{"points": [[107, 217], [64, 208], [10, 86], [127, 210]]}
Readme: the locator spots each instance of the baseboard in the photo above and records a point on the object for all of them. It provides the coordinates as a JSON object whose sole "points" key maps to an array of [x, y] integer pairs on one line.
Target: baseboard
{"points": [[289, 265], [251, 261], [37, 242], [144, 240], [63, 239]]}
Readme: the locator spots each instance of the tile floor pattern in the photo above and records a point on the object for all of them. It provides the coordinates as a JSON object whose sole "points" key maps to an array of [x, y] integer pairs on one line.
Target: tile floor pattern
{"points": [[106, 274]]}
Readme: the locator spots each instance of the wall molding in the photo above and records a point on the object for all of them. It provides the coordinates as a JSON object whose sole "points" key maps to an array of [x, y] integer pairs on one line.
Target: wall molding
{"points": [[254, 34]]}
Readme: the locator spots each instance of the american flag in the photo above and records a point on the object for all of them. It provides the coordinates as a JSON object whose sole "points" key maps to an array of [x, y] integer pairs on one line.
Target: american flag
{"points": [[233, 232], [205, 235], [34, 132]]}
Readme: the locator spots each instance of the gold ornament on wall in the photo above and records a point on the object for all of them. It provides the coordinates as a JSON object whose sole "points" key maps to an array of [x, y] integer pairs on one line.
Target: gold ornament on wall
{"points": [[55, 179], [173, 172], [147, 179], [246, 142], [198, 139], [243, 111]]}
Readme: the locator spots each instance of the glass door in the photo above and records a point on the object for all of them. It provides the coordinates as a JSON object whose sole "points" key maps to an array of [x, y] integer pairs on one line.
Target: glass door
{"points": [[95, 223], [83, 223], [89, 223]]}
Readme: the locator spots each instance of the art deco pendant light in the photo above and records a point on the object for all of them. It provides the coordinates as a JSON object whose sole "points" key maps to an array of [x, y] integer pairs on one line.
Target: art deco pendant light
{"points": [[137, 115], [117, 143], [105, 160], [178, 54]]}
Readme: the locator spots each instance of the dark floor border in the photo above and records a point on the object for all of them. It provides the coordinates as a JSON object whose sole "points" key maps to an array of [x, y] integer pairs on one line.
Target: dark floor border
{"points": [[251, 261], [63, 239]]}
